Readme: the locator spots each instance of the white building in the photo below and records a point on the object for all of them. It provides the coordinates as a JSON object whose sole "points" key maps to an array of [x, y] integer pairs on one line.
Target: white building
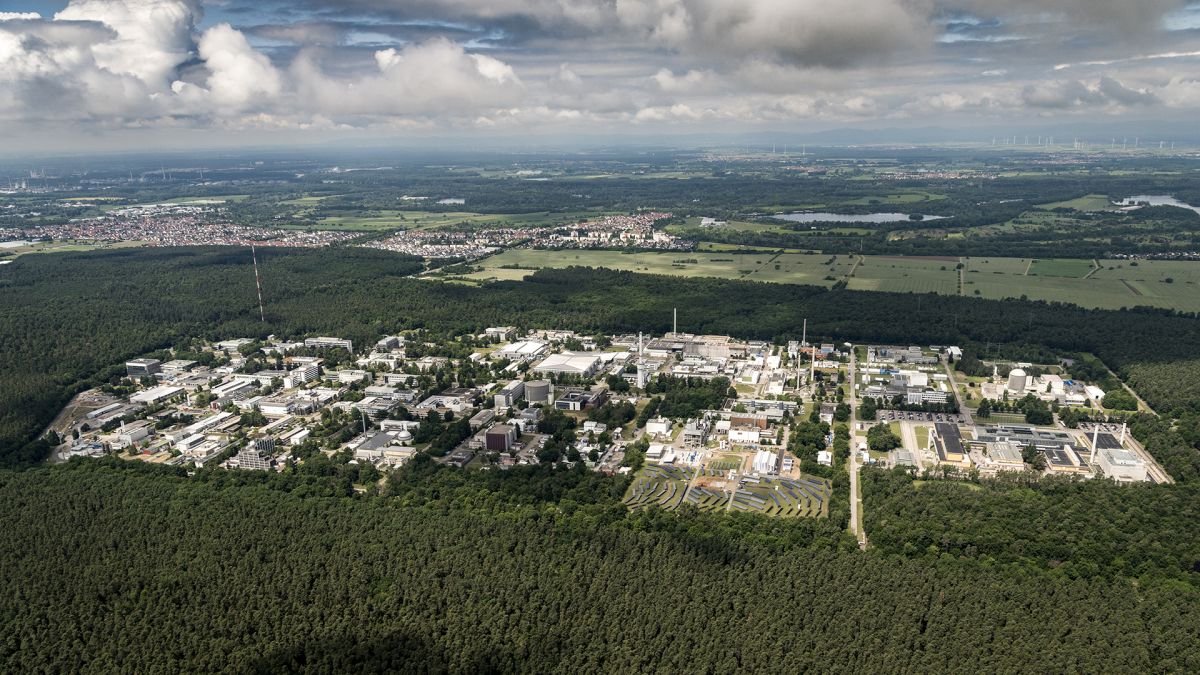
{"points": [[156, 394], [745, 435], [583, 364], [658, 427], [765, 461], [1121, 465]]}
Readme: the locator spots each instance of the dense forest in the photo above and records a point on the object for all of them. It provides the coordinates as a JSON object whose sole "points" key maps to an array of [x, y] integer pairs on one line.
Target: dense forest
{"points": [[66, 319], [1071, 528], [115, 568]]}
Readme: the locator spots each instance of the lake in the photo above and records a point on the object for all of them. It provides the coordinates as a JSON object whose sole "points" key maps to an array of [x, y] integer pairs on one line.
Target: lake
{"points": [[1158, 200]]}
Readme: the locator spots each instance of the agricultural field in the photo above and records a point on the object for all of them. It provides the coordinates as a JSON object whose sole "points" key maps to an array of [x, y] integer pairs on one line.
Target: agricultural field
{"points": [[1114, 284], [906, 275], [1072, 268]]}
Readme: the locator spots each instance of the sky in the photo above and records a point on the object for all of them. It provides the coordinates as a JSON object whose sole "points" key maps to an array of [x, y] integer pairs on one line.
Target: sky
{"points": [[141, 74]]}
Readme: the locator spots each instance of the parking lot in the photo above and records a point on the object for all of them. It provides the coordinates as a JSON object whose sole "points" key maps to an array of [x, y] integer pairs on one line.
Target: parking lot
{"points": [[905, 416]]}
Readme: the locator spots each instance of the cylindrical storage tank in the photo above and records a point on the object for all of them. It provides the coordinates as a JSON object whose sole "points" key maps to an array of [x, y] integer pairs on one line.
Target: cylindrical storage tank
{"points": [[1017, 380], [538, 391]]}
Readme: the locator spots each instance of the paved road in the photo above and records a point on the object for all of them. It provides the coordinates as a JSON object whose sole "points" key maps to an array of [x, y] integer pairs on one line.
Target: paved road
{"points": [[855, 498], [962, 408], [908, 434]]}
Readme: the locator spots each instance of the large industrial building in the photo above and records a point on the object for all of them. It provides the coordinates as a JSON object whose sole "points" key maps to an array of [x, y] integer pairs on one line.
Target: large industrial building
{"points": [[583, 364], [948, 443]]}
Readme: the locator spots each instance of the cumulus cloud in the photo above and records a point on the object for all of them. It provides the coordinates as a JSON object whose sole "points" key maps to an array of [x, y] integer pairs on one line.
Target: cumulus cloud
{"points": [[152, 37], [435, 77], [509, 64], [240, 75]]}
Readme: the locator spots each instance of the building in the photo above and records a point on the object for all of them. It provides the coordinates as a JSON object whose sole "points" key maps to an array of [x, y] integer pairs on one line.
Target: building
{"points": [[460, 458], [455, 399], [758, 420], [250, 458], [902, 457], [1017, 380], [695, 433], [501, 332], [138, 369], [949, 446], [1120, 465], [500, 438], [539, 392], [134, 432], [582, 364], [522, 351], [233, 345], [765, 462], [329, 343], [824, 458], [389, 343], [745, 435], [509, 394], [157, 394], [177, 367], [658, 427], [579, 399], [482, 418], [1002, 456]]}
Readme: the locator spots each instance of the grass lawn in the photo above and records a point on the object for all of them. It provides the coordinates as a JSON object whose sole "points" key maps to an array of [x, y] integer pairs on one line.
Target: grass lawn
{"points": [[922, 436]]}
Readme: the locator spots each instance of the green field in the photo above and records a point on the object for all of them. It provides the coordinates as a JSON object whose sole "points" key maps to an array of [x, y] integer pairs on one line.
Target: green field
{"points": [[1085, 203], [906, 275], [1060, 268], [792, 268], [1116, 284]]}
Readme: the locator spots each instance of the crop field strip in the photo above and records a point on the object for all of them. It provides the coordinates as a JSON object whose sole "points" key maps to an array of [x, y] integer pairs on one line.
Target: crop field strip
{"points": [[1112, 285]]}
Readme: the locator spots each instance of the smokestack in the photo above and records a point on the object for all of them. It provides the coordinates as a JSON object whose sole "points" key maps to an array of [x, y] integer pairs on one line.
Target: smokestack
{"points": [[675, 321], [1095, 439], [804, 335], [1122, 433]]}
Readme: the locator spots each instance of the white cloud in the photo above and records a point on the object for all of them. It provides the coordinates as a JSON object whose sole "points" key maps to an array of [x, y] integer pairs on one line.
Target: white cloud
{"points": [[435, 77], [240, 76], [153, 37]]}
